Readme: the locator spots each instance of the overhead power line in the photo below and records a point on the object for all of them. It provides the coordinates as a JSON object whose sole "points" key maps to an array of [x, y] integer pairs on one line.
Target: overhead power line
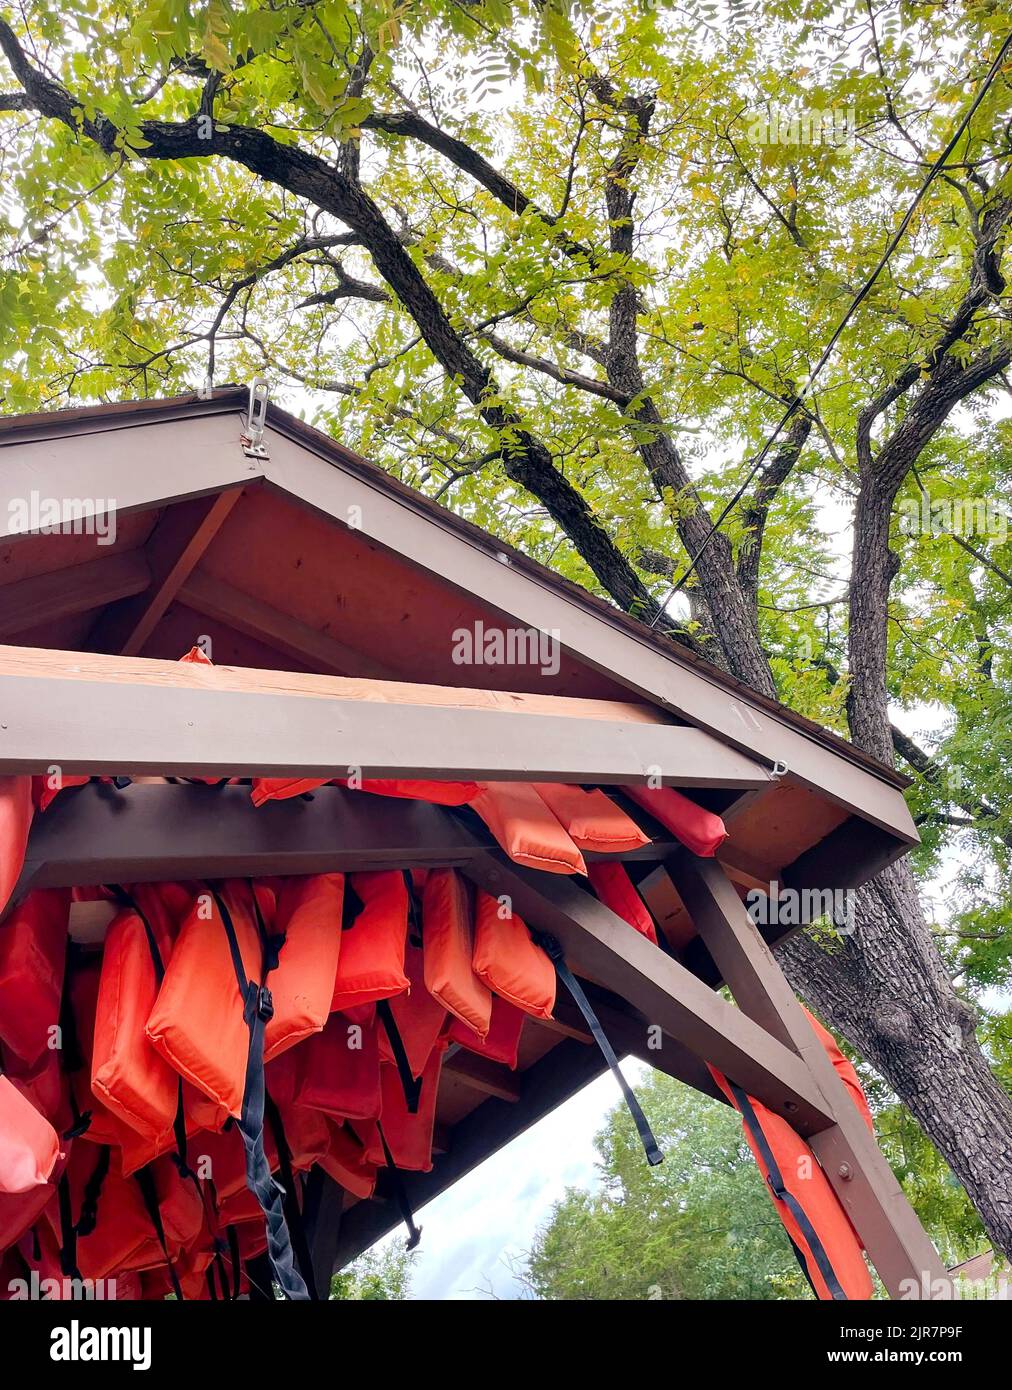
{"points": [[854, 305]]}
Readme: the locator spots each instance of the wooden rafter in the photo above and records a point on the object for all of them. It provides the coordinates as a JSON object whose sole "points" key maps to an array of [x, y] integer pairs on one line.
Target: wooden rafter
{"points": [[46, 598], [173, 551], [602, 947]]}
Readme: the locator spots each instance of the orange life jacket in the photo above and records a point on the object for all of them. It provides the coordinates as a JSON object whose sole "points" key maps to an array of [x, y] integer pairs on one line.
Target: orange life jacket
{"points": [[417, 1016], [308, 914], [20, 1211], [345, 1161], [115, 1230], [33, 949], [526, 828], [441, 793], [448, 949], [408, 1135], [700, 830], [371, 963], [502, 1042], [44, 1084], [591, 819], [132, 1079], [29, 1145], [340, 1070], [16, 812], [197, 1022], [612, 884], [818, 1227], [845, 1068], [508, 961]]}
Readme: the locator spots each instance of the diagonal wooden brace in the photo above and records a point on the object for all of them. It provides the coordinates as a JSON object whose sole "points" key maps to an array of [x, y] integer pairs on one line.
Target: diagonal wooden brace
{"points": [[894, 1238]]}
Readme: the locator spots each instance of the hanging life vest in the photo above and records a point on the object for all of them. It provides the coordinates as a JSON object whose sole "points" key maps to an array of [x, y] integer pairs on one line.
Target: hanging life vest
{"points": [[33, 950], [591, 819], [16, 811], [502, 1041], [525, 827], [448, 950], [698, 829], [508, 962], [824, 1242], [29, 1145], [371, 963]]}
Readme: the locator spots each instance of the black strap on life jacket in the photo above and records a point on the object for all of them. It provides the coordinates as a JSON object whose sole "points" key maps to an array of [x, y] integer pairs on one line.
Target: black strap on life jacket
{"points": [[292, 1209], [553, 949], [351, 905], [400, 1193], [216, 1270], [146, 1183], [414, 909], [258, 1009], [411, 1086], [88, 1218], [261, 1283], [70, 1047], [778, 1187], [68, 1231]]}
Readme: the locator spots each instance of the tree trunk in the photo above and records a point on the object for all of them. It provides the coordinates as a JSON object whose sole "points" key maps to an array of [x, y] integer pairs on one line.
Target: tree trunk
{"points": [[885, 990]]}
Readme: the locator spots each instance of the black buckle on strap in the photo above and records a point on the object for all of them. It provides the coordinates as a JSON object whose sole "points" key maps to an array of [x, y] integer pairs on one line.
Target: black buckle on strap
{"points": [[264, 1004]]}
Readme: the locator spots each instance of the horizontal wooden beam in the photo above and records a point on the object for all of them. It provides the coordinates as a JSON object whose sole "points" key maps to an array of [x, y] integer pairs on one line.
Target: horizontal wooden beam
{"points": [[133, 728], [146, 832], [286, 634], [601, 946], [102, 667], [44, 598], [490, 1078], [181, 537]]}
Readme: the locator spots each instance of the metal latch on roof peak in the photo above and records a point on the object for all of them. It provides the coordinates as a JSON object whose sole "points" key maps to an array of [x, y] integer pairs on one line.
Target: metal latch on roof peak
{"points": [[252, 437]]}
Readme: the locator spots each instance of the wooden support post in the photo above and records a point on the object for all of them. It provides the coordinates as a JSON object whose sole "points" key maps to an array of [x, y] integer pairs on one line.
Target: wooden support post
{"points": [[604, 948], [897, 1245], [323, 1212]]}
